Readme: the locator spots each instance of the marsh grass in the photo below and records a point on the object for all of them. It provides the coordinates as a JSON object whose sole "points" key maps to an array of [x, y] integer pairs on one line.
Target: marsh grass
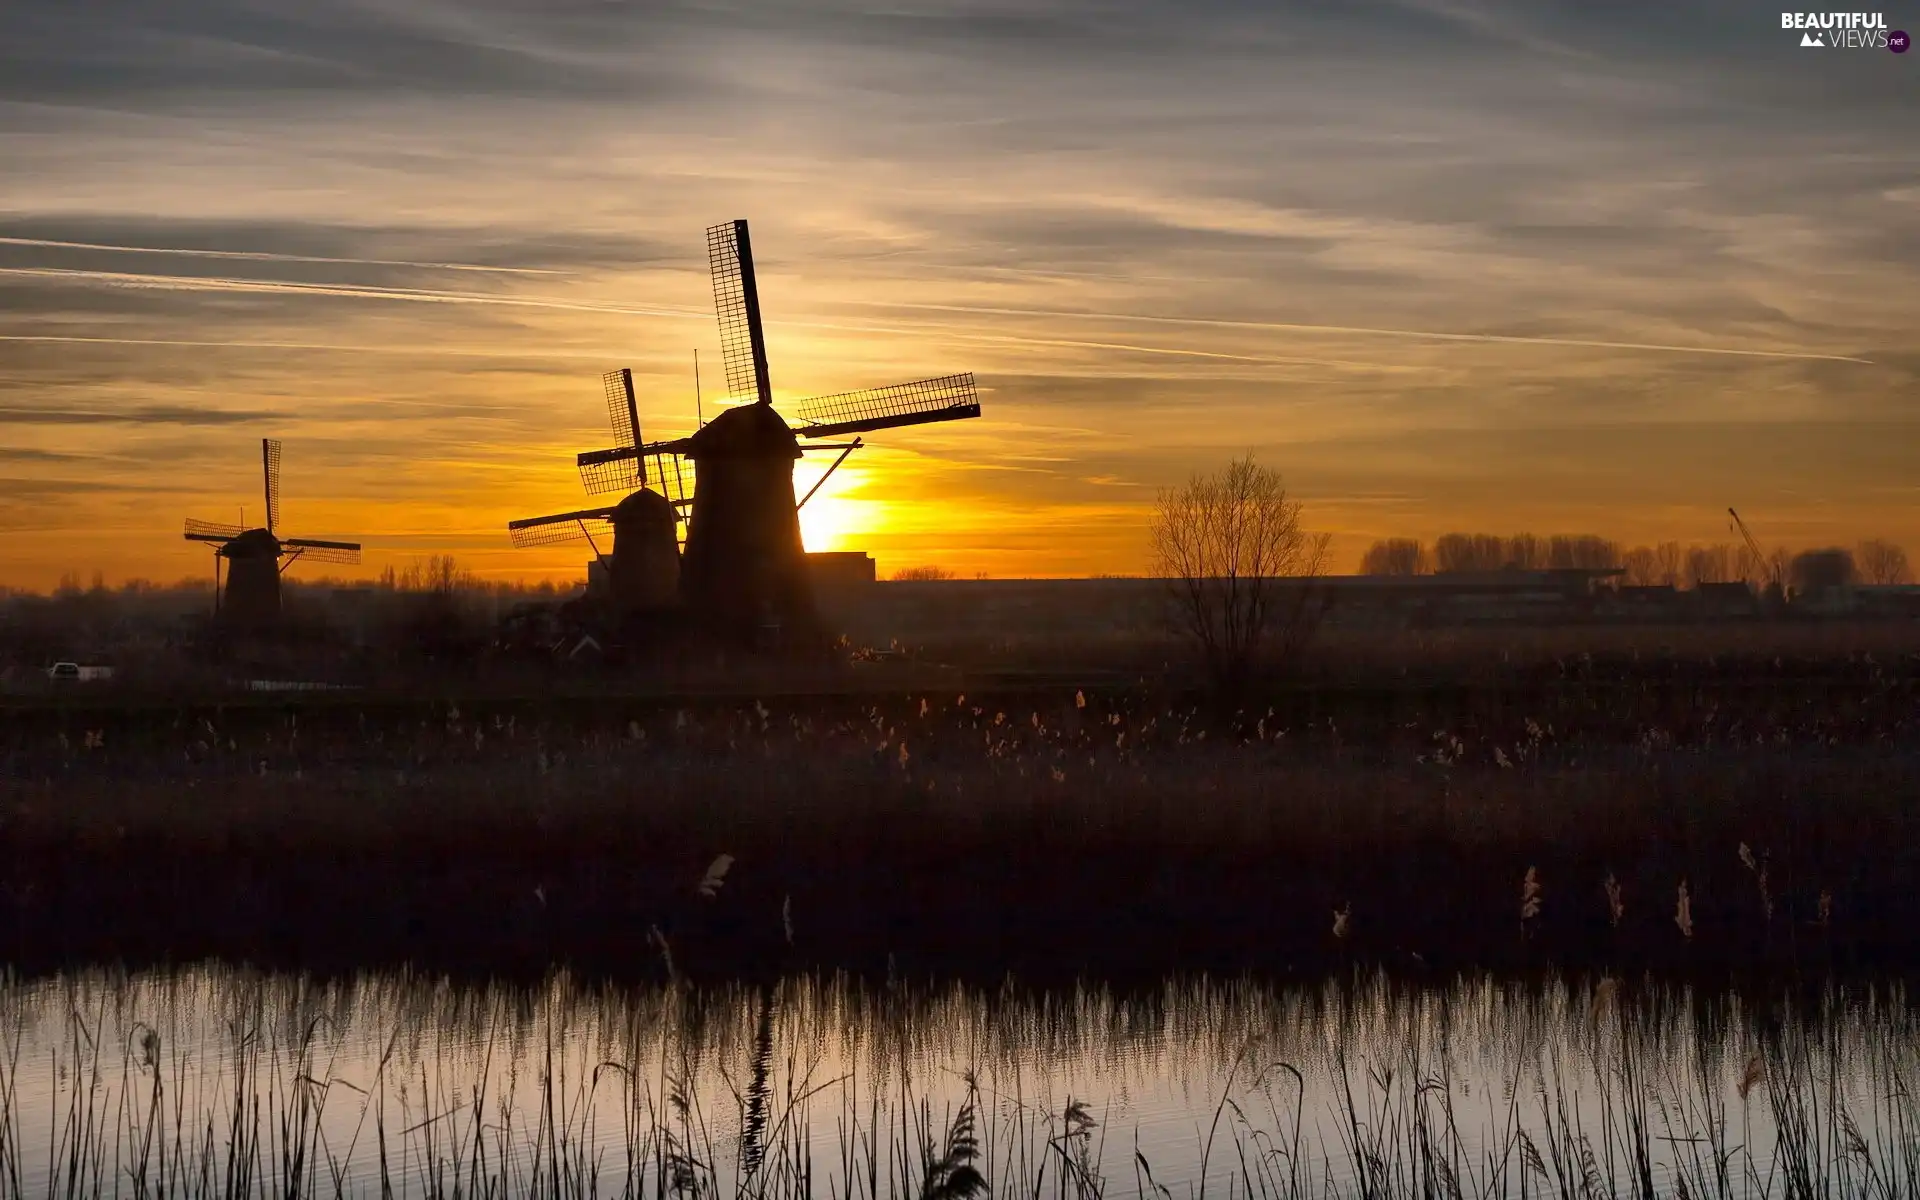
{"points": [[243, 1085], [341, 835], [1334, 824]]}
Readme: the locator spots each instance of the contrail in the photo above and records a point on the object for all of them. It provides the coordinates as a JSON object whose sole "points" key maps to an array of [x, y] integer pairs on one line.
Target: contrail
{"points": [[1417, 334], [1009, 339], [434, 350], [338, 347], [271, 256], [194, 283], [132, 279]]}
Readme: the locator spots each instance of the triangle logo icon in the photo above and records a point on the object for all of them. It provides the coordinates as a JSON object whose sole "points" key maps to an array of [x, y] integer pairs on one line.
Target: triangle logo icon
{"points": [[1812, 39]]}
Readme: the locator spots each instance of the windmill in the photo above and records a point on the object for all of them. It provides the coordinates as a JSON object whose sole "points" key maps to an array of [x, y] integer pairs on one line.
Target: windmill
{"points": [[255, 556], [642, 557], [745, 567]]}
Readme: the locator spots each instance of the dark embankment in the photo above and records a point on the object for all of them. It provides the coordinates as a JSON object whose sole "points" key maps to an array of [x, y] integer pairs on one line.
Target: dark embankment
{"points": [[992, 833]]}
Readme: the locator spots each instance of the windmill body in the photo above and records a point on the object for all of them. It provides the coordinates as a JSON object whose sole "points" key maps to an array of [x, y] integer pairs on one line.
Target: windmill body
{"points": [[255, 558], [745, 566], [645, 562], [637, 540], [744, 570], [253, 578]]}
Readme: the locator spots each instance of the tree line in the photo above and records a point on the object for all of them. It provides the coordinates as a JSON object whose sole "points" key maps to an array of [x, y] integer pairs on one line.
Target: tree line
{"points": [[1874, 561]]}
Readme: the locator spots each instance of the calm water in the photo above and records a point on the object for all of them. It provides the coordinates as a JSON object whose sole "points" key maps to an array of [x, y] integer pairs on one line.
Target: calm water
{"points": [[222, 1081]]}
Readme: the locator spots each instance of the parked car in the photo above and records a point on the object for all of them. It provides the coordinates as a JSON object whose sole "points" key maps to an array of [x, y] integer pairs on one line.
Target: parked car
{"points": [[72, 672]]}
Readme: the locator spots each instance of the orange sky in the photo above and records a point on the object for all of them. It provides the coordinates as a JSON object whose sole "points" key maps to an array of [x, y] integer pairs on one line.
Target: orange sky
{"points": [[1470, 266]]}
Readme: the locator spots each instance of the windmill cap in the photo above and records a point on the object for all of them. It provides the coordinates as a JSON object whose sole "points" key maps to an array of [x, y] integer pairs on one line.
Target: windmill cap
{"points": [[749, 431], [643, 505], [254, 543]]}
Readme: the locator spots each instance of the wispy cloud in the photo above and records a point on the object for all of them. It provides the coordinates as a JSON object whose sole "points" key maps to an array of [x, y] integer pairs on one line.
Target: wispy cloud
{"points": [[1513, 261], [1416, 334], [146, 414], [287, 287], [271, 256]]}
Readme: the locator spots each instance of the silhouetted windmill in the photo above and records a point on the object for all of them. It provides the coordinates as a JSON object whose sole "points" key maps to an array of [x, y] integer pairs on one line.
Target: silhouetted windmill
{"points": [[744, 567], [254, 555], [643, 554]]}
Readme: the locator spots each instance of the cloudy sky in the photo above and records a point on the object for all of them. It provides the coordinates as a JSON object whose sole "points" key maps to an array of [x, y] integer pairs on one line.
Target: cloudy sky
{"points": [[1535, 265]]}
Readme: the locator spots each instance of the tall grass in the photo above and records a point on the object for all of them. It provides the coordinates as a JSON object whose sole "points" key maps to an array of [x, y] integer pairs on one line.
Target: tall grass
{"points": [[160, 833], [228, 1083]]}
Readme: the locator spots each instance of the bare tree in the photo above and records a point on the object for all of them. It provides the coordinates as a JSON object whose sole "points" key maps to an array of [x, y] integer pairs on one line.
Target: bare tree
{"points": [[1709, 564], [1525, 552], [1469, 552], [922, 574], [1583, 551], [1224, 542], [1882, 562], [1642, 565], [1395, 556], [1672, 563], [440, 574]]}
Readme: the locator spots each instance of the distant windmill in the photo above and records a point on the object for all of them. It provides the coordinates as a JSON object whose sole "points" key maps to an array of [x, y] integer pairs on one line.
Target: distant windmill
{"points": [[745, 567], [642, 554], [254, 555]]}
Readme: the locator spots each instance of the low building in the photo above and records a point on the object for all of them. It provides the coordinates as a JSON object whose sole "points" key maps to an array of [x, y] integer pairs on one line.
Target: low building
{"points": [[831, 569], [1731, 599], [1894, 600]]}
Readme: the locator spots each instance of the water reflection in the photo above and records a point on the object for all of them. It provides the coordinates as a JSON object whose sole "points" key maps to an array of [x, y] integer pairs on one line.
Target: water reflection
{"points": [[220, 1080]]}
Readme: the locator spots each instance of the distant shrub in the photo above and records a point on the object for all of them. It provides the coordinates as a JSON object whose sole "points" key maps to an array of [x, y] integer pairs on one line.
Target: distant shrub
{"points": [[1818, 570]]}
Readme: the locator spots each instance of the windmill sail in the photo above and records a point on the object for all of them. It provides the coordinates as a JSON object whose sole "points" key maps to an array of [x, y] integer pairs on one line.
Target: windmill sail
{"points": [[586, 525], [209, 531], [670, 472], [736, 300], [316, 550], [624, 415], [270, 468], [625, 465], [946, 398]]}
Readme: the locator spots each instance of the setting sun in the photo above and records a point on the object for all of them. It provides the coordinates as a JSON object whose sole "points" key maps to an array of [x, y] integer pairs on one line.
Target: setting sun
{"points": [[836, 517]]}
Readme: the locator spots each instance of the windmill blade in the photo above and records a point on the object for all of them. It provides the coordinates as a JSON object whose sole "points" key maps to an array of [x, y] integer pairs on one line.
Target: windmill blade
{"points": [[946, 398], [622, 413], [585, 525], [209, 531], [736, 301], [270, 467], [619, 470], [317, 550], [673, 478]]}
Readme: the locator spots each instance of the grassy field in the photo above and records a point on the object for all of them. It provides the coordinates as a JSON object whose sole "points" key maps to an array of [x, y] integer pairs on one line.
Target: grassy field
{"points": [[1049, 830]]}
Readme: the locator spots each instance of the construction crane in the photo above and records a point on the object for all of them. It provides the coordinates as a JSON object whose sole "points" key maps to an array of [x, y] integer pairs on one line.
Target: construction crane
{"points": [[1766, 564]]}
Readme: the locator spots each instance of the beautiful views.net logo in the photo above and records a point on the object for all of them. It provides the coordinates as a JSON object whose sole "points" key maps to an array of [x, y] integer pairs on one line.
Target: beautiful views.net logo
{"points": [[1845, 31]]}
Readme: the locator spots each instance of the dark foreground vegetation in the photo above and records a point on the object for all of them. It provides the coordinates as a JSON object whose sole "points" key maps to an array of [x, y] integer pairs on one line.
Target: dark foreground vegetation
{"points": [[215, 1082], [1753, 813]]}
